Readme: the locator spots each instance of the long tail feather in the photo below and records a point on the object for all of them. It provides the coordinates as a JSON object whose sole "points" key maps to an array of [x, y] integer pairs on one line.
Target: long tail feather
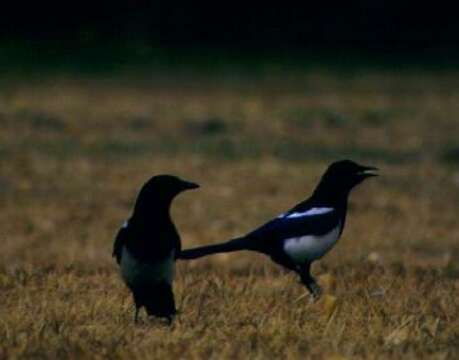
{"points": [[163, 307], [158, 300], [229, 246]]}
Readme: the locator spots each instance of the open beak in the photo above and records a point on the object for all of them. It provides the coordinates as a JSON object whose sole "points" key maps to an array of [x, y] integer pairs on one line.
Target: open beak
{"points": [[188, 185], [368, 171]]}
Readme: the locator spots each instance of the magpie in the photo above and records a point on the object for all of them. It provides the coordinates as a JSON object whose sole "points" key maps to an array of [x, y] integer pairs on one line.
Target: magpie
{"points": [[147, 245], [306, 232]]}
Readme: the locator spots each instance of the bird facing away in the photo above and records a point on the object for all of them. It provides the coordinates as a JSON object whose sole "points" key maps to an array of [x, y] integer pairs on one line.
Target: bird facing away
{"points": [[306, 232], [147, 245]]}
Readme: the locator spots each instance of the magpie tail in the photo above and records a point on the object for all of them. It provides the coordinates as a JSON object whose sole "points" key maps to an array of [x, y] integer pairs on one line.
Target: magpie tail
{"points": [[157, 300], [229, 246]]}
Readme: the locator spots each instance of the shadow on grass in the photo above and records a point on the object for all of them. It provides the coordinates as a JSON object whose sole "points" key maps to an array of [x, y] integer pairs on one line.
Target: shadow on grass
{"points": [[206, 127], [40, 120], [450, 154], [305, 118], [220, 148], [303, 152]]}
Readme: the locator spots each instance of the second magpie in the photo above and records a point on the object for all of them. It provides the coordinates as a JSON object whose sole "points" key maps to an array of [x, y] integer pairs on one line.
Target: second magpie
{"points": [[306, 232], [147, 245]]}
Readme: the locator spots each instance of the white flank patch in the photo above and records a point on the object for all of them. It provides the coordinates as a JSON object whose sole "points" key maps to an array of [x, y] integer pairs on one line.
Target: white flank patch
{"points": [[125, 224], [311, 247], [310, 212], [138, 273]]}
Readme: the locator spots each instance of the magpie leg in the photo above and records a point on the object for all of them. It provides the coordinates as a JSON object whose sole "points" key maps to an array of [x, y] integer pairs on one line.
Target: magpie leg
{"points": [[309, 281], [136, 315], [137, 304]]}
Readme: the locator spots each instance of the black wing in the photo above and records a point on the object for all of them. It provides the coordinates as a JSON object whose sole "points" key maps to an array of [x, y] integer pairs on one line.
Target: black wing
{"points": [[120, 241], [285, 227]]}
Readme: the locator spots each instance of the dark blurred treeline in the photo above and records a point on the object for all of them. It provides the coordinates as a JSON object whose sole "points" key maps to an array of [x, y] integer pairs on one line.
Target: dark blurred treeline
{"points": [[99, 33], [376, 24]]}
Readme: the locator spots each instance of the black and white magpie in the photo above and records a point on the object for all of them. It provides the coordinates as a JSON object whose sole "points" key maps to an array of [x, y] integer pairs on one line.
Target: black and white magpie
{"points": [[306, 232], [147, 245]]}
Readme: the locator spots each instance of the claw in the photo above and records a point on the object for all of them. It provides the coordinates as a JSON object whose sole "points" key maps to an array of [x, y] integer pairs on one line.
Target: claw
{"points": [[316, 290]]}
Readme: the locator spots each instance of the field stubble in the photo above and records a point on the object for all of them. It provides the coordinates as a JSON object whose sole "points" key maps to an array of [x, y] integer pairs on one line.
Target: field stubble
{"points": [[74, 154]]}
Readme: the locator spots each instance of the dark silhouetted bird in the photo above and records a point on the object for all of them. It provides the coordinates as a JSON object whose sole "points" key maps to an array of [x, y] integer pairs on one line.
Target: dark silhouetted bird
{"points": [[147, 245], [306, 232]]}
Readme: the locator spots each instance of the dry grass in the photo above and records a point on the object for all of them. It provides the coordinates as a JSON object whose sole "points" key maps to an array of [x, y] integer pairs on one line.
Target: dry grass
{"points": [[74, 154]]}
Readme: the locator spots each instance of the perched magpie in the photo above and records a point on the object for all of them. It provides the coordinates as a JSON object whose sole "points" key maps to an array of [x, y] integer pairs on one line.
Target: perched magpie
{"points": [[306, 232], [147, 245]]}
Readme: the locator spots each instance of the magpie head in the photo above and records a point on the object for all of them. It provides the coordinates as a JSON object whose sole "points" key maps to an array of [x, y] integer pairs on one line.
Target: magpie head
{"points": [[161, 189], [342, 176]]}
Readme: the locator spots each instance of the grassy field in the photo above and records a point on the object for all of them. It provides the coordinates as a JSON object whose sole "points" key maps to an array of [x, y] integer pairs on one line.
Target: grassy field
{"points": [[74, 153]]}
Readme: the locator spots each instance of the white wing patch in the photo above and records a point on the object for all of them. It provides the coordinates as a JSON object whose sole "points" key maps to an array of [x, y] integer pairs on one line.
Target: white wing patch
{"points": [[311, 247], [125, 224], [310, 212]]}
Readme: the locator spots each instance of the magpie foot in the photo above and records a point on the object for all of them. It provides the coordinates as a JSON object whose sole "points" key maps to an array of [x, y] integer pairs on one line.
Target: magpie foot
{"points": [[136, 315], [316, 290]]}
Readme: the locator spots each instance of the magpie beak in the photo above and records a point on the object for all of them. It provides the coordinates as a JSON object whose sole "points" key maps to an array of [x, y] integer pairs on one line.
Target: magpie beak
{"points": [[188, 185], [367, 171]]}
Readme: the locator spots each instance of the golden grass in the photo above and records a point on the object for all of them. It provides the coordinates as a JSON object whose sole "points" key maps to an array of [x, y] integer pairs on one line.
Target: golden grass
{"points": [[74, 154]]}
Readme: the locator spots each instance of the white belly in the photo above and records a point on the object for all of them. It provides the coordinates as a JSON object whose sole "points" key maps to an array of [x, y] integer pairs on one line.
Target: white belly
{"points": [[309, 248], [138, 273]]}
